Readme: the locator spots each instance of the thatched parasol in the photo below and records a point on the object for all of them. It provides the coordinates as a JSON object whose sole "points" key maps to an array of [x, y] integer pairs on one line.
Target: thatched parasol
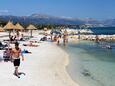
{"points": [[1, 29], [9, 26], [31, 28], [18, 28]]}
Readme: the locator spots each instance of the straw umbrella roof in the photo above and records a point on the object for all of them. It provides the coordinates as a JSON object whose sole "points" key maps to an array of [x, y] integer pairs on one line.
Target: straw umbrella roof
{"points": [[19, 27], [1, 29], [31, 27], [9, 26]]}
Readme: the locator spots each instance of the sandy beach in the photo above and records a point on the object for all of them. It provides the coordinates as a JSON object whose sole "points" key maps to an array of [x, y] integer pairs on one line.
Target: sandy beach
{"points": [[46, 66], [57, 43]]}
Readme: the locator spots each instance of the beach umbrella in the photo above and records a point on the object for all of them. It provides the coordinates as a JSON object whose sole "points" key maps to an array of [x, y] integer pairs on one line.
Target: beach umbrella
{"points": [[31, 28], [1, 29], [9, 26], [18, 28]]}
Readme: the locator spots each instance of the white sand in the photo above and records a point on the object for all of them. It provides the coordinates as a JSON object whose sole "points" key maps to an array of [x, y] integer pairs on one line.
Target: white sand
{"points": [[46, 66]]}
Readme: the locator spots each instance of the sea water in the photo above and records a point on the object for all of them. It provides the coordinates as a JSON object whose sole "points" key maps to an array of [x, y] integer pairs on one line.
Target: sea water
{"points": [[91, 64], [103, 30]]}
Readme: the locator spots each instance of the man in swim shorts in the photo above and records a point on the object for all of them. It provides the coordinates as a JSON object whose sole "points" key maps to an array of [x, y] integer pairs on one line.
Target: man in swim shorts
{"points": [[16, 53]]}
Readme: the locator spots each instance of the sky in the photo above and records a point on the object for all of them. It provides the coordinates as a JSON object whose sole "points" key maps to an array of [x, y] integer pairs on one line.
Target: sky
{"points": [[99, 9]]}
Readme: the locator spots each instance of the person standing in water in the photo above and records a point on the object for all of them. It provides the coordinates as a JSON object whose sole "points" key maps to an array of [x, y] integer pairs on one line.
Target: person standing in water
{"points": [[65, 39], [58, 39], [16, 53]]}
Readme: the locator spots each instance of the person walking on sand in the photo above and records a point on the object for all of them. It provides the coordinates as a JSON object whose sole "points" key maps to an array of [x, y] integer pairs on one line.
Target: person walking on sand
{"points": [[16, 53]]}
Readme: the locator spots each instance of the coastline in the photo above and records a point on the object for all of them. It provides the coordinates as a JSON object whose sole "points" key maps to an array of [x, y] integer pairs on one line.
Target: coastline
{"points": [[64, 71], [41, 67]]}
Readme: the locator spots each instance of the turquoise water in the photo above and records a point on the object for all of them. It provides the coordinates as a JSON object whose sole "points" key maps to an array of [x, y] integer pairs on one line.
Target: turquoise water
{"points": [[91, 64]]}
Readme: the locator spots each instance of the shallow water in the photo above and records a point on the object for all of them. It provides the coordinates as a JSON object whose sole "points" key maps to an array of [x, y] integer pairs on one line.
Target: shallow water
{"points": [[91, 64]]}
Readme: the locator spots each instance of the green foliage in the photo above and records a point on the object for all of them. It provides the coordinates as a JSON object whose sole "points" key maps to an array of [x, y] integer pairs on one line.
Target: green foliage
{"points": [[42, 26], [2, 22]]}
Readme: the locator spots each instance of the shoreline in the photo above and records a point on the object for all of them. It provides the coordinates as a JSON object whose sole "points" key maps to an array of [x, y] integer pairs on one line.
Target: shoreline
{"points": [[66, 63], [61, 68]]}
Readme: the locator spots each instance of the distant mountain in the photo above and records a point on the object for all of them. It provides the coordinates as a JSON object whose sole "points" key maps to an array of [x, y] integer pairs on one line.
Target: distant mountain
{"points": [[47, 19], [109, 22]]}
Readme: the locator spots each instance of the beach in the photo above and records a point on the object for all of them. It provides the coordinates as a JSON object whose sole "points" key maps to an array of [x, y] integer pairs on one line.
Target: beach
{"points": [[50, 64], [46, 66], [57, 43]]}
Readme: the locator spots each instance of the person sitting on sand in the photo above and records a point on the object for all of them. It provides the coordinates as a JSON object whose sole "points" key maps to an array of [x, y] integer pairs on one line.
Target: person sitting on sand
{"points": [[34, 41], [7, 54], [2, 46], [16, 53], [11, 39], [30, 44], [26, 51], [44, 38]]}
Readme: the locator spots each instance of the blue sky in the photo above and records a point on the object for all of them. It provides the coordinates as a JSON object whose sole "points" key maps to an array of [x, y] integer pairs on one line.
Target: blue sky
{"points": [[100, 9]]}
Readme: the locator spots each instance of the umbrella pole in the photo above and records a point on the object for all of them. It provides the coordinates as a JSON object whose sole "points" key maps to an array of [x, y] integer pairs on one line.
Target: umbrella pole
{"points": [[9, 34], [31, 33]]}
